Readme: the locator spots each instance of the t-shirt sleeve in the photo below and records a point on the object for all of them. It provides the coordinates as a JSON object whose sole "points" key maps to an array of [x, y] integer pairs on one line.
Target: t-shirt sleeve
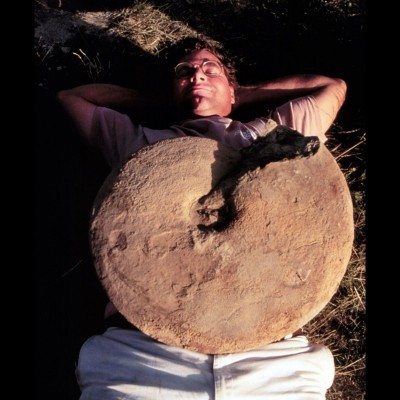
{"points": [[302, 115], [116, 136]]}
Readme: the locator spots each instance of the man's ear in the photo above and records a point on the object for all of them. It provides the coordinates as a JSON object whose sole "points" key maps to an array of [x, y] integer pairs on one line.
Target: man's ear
{"points": [[233, 97]]}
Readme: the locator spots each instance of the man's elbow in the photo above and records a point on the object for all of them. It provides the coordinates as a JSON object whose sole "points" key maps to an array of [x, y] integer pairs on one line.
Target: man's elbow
{"points": [[63, 96], [70, 100], [340, 90]]}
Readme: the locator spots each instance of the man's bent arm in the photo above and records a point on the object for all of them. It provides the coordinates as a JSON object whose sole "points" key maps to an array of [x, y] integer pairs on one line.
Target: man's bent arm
{"points": [[329, 93], [81, 101]]}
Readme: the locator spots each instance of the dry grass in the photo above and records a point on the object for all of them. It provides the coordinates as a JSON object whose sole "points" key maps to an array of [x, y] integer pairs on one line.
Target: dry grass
{"points": [[153, 26], [149, 27], [341, 325]]}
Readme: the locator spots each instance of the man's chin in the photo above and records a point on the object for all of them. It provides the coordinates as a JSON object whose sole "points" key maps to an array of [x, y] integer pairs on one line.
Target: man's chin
{"points": [[196, 114], [192, 110]]}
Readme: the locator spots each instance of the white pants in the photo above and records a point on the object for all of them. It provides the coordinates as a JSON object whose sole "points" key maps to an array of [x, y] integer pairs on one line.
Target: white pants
{"points": [[125, 364]]}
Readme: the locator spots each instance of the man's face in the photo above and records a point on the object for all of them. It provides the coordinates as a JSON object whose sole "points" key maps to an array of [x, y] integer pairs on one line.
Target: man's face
{"points": [[199, 90]]}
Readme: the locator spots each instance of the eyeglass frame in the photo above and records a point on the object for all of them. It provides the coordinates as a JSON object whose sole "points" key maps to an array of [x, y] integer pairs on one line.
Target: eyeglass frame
{"points": [[195, 66]]}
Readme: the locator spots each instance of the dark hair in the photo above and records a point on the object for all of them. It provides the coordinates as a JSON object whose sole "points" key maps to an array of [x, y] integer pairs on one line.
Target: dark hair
{"points": [[190, 45]]}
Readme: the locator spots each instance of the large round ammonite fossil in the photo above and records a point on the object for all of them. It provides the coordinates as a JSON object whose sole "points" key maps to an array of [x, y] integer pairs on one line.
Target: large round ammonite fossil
{"points": [[219, 251]]}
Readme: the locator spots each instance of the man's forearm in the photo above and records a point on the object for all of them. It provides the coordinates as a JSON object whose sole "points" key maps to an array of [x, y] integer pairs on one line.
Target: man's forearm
{"points": [[280, 90], [111, 96], [81, 102]]}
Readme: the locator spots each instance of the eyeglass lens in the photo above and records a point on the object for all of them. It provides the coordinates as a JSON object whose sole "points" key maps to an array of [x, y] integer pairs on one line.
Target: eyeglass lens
{"points": [[210, 68]]}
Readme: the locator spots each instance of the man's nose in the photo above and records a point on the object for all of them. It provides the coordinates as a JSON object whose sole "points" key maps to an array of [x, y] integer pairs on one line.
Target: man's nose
{"points": [[197, 74]]}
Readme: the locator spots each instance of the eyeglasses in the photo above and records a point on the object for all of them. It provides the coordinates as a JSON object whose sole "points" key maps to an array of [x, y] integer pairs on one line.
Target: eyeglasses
{"points": [[209, 67]]}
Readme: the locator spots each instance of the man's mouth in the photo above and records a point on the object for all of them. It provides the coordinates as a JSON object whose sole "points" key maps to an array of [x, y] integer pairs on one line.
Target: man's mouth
{"points": [[196, 88]]}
